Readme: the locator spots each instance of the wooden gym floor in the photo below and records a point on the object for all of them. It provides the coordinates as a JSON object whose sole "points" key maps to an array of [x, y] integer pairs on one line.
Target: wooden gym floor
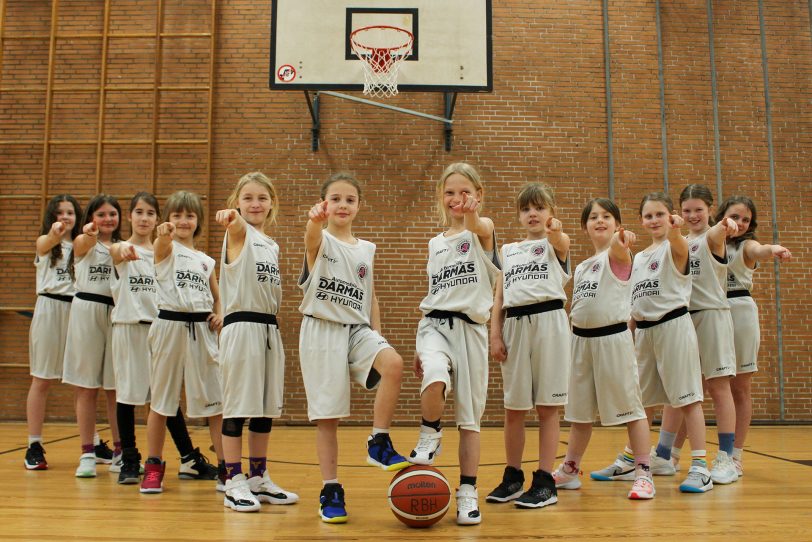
{"points": [[772, 502]]}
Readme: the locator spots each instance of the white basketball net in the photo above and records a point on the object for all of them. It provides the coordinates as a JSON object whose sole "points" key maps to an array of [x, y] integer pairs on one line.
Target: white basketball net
{"points": [[382, 49]]}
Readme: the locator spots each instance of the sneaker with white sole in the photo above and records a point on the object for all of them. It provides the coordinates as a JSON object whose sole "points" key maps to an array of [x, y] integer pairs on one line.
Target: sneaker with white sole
{"points": [[239, 496], [511, 486], [196, 466], [87, 466], [130, 471], [381, 453], [738, 464], [723, 471], [565, 480], [265, 490], [698, 480], [468, 505], [115, 466], [660, 466], [541, 493], [153, 481], [35, 457], [642, 488], [103, 453], [619, 470], [428, 447]]}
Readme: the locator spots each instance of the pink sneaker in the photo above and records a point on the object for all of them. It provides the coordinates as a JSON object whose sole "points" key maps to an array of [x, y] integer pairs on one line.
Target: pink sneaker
{"points": [[566, 480], [643, 488], [153, 481]]}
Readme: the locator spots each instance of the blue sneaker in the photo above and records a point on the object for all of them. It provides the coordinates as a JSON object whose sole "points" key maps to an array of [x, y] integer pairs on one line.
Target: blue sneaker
{"points": [[381, 453], [331, 504]]}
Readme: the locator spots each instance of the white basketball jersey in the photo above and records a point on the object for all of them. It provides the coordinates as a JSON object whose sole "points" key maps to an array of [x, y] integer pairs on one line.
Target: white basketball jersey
{"points": [[599, 298], [252, 281], [708, 275], [739, 276], [183, 280], [94, 270], [532, 273], [135, 290], [657, 286], [54, 280], [461, 277], [339, 287]]}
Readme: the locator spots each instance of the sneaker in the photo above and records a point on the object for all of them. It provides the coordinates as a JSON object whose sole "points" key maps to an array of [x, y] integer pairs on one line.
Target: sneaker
{"points": [[115, 466], [738, 464], [221, 478], [510, 488], [542, 493], [104, 455], [642, 488], [239, 496], [265, 490], [331, 504], [196, 466], [130, 469], [675, 462], [723, 471], [381, 453], [87, 466], [619, 470], [698, 480], [35, 457], [660, 466], [153, 481], [428, 447], [565, 480], [467, 506]]}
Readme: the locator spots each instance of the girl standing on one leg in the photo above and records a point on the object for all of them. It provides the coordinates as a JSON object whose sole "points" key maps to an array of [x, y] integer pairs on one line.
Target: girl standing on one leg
{"points": [[49, 327], [252, 359], [530, 337], [452, 337]]}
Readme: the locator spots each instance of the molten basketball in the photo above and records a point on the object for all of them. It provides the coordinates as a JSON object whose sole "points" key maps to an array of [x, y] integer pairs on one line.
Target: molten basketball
{"points": [[419, 496]]}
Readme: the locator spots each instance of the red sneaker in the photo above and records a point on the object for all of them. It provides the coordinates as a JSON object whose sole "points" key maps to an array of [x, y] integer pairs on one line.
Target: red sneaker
{"points": [[153, 481]]}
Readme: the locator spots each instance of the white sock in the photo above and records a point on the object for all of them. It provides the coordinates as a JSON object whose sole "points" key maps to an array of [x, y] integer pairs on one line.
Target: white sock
{"points": [[737, 453], [378, 430], [333, 481], [34, 438]]}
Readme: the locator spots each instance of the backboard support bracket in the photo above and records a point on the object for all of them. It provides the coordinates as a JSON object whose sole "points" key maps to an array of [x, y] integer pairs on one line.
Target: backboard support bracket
{"points": [[314, 106]]}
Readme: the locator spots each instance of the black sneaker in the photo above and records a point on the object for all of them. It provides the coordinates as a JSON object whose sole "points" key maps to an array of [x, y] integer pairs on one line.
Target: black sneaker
{"points": [[130, 466], [511, 487], [104, 455], [196, 466], [35, 457], [541, 493]]}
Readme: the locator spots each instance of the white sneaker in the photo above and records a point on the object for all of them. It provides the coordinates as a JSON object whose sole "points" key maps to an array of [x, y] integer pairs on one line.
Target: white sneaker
{"points": [[660, 466], [643, 488], [264, 490], [467, 506], [738, 464], [564, 480], [87, 466], [238, 495], [698, 480], [723, 471], [619, 470], [115, 466], [428, 447]]}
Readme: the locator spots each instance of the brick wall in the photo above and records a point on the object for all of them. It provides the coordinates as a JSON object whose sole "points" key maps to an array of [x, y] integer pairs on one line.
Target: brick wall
{"points": [[546, 120]]}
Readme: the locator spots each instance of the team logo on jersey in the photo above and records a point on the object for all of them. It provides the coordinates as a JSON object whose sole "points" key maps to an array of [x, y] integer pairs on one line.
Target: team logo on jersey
{"points": [[653, 266], [361, 270], [537, 250], [596, 267], [694, 248], [463, 247], [205, 267]]}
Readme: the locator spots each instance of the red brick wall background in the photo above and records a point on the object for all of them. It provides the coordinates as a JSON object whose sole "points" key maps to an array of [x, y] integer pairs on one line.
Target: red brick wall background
{"points": [[545, 120]]}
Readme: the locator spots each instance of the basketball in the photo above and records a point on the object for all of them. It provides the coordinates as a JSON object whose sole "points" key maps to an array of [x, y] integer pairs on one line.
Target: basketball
{"points": [[419, 496]]}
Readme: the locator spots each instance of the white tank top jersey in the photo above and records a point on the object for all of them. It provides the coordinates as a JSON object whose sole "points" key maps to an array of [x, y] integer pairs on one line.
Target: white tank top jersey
{"points": [[657, 285], [339, 287], [252, 281], [135, 290], [739, 276], [532, 273], [94, 271], [461, 276], [54, 280], [184, 280], [708, 275], [599, 297]]}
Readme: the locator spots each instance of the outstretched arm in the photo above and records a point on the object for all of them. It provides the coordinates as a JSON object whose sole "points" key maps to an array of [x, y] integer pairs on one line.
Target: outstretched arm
{"points": [[482, 227], [163, 243], [558, 239], [235, 225], [317, 216], [756, 252], [48, 241], [123, 251], [717, 236], [679, 246], [87, 240]]}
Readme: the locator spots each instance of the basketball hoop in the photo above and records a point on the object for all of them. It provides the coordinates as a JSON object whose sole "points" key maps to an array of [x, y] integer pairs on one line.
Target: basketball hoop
{"points": [[382, 49]]}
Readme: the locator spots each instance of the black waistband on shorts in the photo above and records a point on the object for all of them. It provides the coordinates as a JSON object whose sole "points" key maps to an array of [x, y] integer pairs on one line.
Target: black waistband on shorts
{"points": [[248, 316], [602, 331], [145, 322], [535, 308], [176, 316], [449, 315], [96, 298], [57, 297], [738, 293], [676, 313]]}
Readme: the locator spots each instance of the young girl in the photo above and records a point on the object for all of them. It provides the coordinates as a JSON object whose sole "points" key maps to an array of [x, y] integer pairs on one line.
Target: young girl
{"points": [[182, 341], [88, 361], [49, 327], [339, 339], [743, 254], [710, 313], [665, 341], [252, 358], [452, 337], [136, 306], [604, 371], [528, 311]]}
